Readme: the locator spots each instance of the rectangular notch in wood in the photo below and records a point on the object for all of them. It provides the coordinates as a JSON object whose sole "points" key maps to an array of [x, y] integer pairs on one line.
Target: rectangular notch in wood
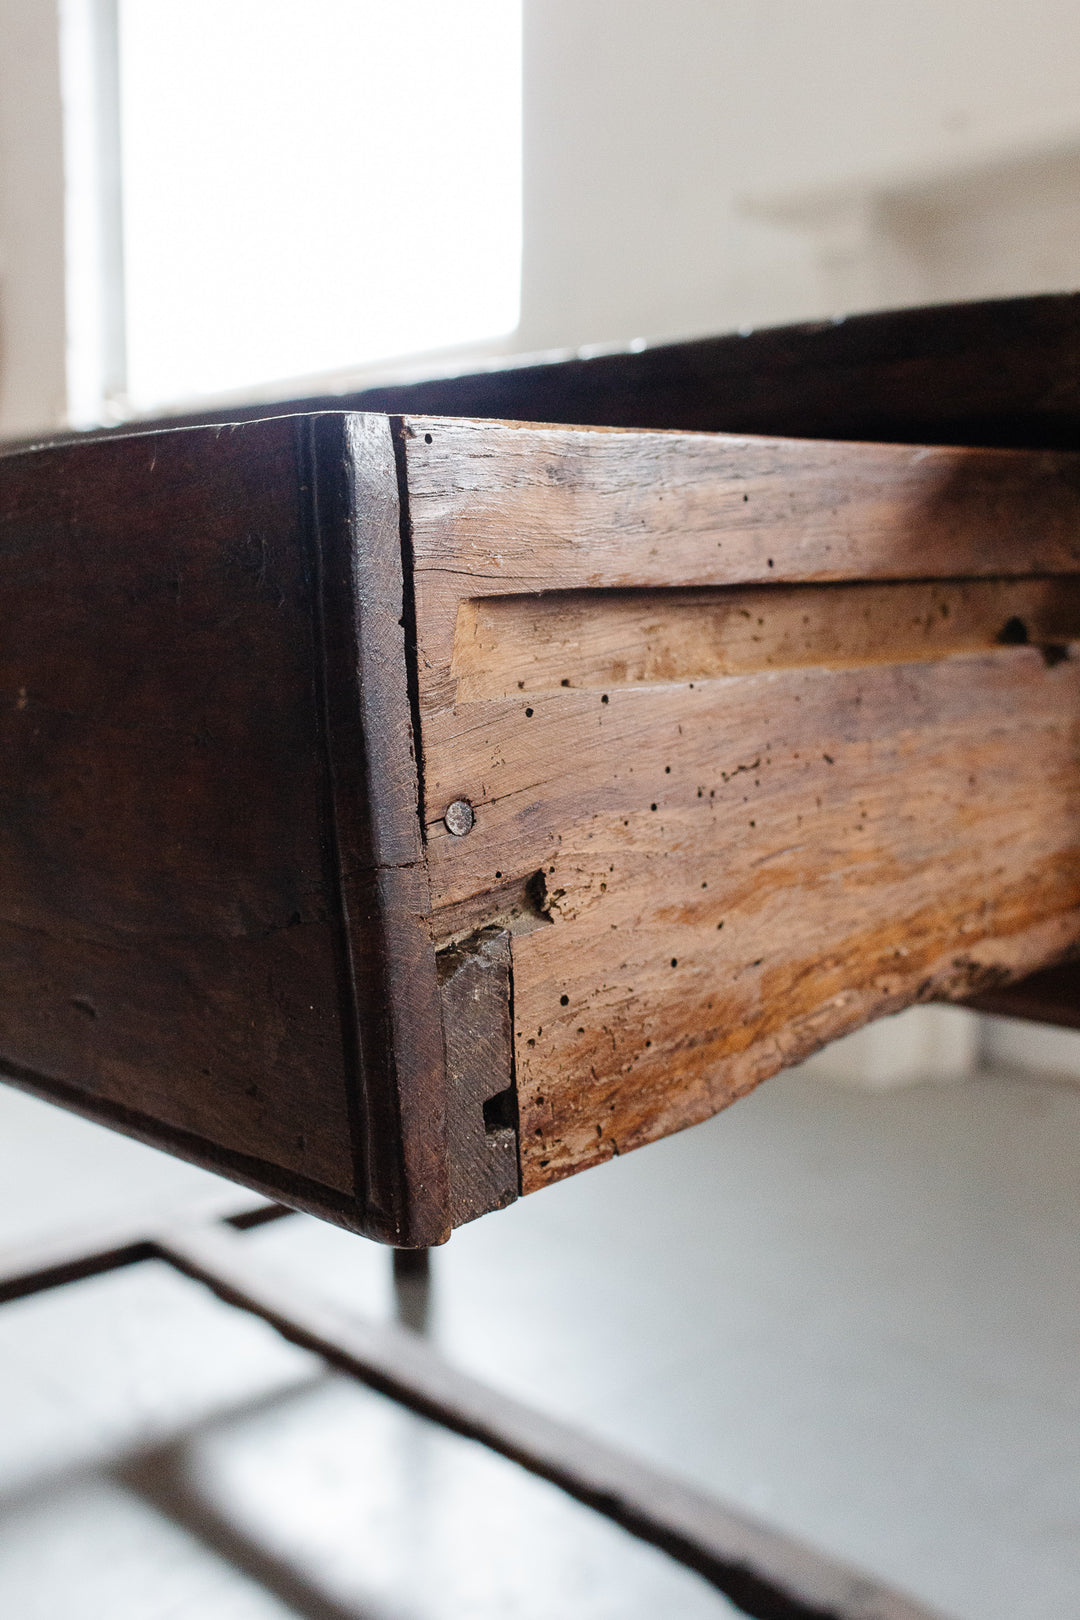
{"points": [[475, 980], [504, 645]]}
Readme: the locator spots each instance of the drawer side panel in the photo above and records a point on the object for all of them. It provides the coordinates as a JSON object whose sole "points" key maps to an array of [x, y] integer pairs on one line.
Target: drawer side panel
{"points": [[762, 739]]}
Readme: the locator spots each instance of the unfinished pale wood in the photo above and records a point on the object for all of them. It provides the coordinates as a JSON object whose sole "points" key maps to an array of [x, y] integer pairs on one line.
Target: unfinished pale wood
{"points": [[509, 644], [727, 870]]}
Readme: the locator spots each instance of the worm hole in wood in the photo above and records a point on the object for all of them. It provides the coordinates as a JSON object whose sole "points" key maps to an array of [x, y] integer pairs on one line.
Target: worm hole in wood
{"points": [[1014, 633]]}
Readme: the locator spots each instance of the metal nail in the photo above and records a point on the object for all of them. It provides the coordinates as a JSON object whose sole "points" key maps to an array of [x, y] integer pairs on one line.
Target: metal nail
{"points": [[459, 818]]}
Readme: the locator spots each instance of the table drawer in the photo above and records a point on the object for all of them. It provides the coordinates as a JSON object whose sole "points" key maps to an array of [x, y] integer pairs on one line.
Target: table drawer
{"points": [[399, 811]]}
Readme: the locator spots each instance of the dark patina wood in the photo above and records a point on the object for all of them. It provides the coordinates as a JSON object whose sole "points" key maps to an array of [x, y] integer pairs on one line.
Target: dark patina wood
{"points": [[482, 1118], [1002, 372], [386, 964], [1005, 372], [1049, 997], [212, 929]]}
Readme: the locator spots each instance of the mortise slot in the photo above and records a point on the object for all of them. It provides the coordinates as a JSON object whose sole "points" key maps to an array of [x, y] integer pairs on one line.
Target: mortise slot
{"points": [[501, 1111], [505, 645]]}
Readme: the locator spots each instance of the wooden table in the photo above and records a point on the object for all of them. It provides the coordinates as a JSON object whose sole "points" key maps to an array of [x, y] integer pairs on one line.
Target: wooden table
{"points": [[404, 805], [403, 808]]}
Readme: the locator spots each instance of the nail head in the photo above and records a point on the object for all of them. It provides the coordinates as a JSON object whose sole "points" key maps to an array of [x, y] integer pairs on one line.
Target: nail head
{"points": [[459, 818]]}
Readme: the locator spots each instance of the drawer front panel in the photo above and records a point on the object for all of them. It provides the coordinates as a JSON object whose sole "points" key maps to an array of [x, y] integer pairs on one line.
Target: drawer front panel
{"points": [[213, 924], [166, 941]]}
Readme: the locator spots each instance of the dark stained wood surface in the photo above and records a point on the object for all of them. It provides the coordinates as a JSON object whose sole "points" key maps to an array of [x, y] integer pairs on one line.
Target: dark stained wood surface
{"points": [[1004, 372], [731, 862], [1049, 997], [386, 963], [477, 1001], [1000, 372], [187, 928]]}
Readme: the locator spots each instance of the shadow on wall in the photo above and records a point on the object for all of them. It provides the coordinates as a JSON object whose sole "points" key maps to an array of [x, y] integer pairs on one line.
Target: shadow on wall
{"points": [[990, 226]]}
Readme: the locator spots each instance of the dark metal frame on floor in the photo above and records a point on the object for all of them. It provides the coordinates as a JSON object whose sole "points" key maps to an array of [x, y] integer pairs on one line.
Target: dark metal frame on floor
{"points": [[763, 1572]]}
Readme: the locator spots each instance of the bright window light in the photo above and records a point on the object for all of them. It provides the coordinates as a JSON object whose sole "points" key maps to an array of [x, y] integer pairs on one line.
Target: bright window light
{"points": [[310, 188]]}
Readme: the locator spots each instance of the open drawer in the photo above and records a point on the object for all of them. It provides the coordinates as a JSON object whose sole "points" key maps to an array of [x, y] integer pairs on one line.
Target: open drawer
{"points": [[400, 811]]}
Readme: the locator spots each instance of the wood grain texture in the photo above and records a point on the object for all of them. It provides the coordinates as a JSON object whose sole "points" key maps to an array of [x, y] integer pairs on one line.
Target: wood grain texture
{"points": [[146, 888], [195, 881], [739, 867], [387, 965], [506, 645]]}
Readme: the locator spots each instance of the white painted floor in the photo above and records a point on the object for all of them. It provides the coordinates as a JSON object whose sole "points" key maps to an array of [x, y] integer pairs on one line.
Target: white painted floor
{"points": [[855, 1313]]}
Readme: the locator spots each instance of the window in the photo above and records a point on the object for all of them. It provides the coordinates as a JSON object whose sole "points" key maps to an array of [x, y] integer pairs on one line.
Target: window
{"points": [[306, 190]]}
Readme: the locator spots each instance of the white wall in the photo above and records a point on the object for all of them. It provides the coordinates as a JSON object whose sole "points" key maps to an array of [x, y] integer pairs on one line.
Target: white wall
{"points": [[32, 320], [1013, 1043], [701, 164]]}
